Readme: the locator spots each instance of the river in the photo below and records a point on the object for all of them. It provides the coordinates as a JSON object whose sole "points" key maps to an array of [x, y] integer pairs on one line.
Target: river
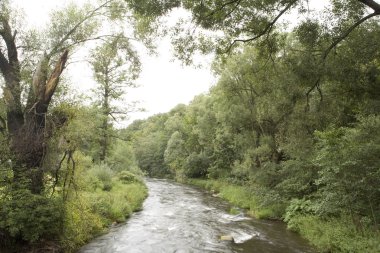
{"points": [[180, 218]]}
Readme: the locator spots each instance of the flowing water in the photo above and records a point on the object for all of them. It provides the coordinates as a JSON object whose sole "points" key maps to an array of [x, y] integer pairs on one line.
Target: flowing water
{"points": [[180, 218]]}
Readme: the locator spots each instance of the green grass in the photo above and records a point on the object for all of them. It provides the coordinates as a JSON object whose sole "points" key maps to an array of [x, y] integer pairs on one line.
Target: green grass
{"points": [[91, 213], [240, 196], [336, 234]]}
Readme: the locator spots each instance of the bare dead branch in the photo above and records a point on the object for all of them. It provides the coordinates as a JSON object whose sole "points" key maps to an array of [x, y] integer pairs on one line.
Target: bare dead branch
{"points": [[52, 83]]}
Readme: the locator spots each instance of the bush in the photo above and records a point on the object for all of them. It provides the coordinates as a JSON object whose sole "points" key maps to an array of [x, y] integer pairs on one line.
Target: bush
{"points": [[196, 165], [135, 194], [81, 224], [127, 177], [30, 217], [102, 174]]}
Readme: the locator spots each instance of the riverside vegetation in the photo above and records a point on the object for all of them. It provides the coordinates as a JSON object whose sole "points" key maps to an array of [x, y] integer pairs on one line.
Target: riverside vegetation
{"points": [[290, 131], [82, 199], [263, 145], [65, 174]]}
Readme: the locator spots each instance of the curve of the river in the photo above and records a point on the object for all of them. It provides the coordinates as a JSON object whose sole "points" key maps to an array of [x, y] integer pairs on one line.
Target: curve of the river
{"points": [[180, 218]]}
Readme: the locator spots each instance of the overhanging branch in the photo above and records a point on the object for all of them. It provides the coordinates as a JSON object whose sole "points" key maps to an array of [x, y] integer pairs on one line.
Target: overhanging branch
{"points": [[371, 4], [331, 47], [349, 30], [266, 30]]}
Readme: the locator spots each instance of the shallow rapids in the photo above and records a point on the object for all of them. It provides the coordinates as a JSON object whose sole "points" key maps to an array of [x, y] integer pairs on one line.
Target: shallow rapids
{"points": [[180, 218]]}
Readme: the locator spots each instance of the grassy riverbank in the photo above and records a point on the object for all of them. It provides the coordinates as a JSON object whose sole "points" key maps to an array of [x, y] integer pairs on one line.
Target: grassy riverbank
{"points": [[93, 210], [241, 196], [327, 235], [99, 199]]}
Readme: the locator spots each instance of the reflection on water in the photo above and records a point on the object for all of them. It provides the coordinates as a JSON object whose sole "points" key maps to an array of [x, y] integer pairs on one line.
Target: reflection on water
{"points": [[178, 218]]}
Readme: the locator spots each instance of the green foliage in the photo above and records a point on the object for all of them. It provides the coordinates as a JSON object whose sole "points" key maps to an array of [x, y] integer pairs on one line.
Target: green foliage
{"points": [[266, 146], [196, 165], [298, 207], [102, 176], [349, 174], [127, 177], [150, 141], [30, 217], [89, 213], [312, 159], [335, 235], [122, 157], [80, 224]]}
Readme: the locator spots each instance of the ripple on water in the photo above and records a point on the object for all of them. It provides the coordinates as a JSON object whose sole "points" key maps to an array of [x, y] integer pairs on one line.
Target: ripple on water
{"points": [[180, 219]]}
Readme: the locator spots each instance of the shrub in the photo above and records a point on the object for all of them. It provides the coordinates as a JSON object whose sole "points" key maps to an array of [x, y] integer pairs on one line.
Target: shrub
{"points": [[80, 224], [31, 217], [104, 174], [127, 177]]}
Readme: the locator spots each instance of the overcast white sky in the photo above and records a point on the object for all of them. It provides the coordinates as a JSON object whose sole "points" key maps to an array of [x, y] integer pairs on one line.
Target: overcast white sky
{"points": [[162, 84]]}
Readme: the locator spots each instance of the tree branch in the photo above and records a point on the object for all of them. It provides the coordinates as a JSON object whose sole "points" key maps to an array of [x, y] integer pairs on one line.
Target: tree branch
{"points": [[52, 83], [56, 176], [4, 64], [349, 30], [9, 39], [266, 30], [66, 37], [3, 124], [331, 47], [371, 4], [223, 6]]}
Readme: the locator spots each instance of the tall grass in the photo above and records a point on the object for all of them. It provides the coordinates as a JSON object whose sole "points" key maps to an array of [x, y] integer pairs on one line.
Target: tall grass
{"points": [[95, 207]]}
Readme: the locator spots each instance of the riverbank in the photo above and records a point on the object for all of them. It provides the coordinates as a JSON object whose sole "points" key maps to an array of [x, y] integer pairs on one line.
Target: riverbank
{"points": [[195, 222], [327, 235], [98, 201], [93, 213]]}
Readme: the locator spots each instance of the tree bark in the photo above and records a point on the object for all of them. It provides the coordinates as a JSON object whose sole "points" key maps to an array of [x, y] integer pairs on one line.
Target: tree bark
{"points": [[104, 143], [27, 129]]}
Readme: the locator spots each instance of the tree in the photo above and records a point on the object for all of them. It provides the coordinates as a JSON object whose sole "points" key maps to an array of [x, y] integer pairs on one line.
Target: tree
{"points": [[247, 21], [222, 26], [32, 63], [116, 66], [26, 119]]}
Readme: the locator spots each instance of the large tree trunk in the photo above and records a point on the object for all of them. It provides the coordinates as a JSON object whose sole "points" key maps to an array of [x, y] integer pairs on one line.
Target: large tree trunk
{"points": [[27, 129]]}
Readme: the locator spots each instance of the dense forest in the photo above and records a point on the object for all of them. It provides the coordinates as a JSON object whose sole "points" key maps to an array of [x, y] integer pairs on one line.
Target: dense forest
{"points": [[290, 131]]}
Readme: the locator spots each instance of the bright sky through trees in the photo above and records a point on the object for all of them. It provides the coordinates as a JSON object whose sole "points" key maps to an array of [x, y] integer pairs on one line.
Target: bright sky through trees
{"points": [[163, 83]]}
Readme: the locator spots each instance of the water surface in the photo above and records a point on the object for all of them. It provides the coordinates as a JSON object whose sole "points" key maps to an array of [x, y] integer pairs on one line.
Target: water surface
{"points": [[180, 218]]}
